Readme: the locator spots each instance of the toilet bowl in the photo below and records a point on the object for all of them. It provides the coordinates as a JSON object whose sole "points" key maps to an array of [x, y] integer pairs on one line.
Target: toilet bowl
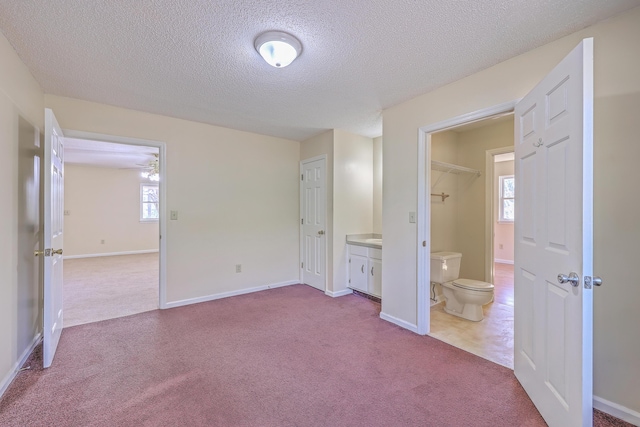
{"points": [[463, 297]]}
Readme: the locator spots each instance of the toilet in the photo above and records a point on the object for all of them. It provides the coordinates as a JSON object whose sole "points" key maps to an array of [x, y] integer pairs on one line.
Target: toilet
{"points": [[463, 297]]}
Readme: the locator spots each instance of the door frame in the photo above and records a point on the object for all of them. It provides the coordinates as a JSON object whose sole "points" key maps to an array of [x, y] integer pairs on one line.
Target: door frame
{"points": [[162, 185], [423, 240], [490, 210], [328, 232]]}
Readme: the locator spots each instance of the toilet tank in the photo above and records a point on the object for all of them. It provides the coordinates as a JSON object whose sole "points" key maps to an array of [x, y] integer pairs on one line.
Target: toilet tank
{"points": [[445, 266]]}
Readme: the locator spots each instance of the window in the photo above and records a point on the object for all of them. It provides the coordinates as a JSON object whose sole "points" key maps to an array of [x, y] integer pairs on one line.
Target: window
{"points": [[149, 197], [507, 198]]}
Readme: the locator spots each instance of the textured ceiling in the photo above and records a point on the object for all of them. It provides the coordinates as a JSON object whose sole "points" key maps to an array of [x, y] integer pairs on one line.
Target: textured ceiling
{"points": [[195, 59]]}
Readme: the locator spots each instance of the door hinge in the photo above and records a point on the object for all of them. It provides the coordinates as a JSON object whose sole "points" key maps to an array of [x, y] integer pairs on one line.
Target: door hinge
{"points": [[349, 280], [349, 260], [302, 221], [302, 177], [302, 265]]}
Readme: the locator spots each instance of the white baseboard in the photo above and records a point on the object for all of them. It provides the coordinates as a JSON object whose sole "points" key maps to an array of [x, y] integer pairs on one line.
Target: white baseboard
{"points": [[399, 322], [338, 293], [8, 379], [503, 261], [618, 411], [221, 295], [145, 251]]}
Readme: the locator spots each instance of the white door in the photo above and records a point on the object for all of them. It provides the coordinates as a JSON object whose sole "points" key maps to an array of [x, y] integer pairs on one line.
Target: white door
{"points": [[313, 223], [553, 235], [53, 222]]}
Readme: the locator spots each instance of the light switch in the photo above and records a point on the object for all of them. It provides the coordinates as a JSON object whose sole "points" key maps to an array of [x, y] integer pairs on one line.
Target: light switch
{"points": [[67, 213], [174, 215], [412, 217]]}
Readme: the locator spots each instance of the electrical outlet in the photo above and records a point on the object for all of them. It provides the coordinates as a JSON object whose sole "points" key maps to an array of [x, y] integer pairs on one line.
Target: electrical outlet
{"points": [[501, 246], [174, 215], [102, 242], [67, 213], [238, 268], [412, 217]]}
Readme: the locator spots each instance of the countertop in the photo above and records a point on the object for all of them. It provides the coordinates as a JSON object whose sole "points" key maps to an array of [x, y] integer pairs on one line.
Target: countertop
{"points": [[370, 240]]}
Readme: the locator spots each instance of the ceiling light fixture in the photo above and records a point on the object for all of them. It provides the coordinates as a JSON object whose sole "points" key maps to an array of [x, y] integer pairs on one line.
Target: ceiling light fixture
{"points": [[279, 49]]}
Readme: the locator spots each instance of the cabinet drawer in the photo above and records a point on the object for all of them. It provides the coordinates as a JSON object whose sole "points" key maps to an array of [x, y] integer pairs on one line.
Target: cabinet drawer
{"points": [[375, 253], [357, 250]]}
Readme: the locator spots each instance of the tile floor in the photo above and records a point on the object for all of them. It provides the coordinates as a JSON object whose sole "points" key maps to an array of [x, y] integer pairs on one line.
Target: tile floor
{"points": [[491, 338]]}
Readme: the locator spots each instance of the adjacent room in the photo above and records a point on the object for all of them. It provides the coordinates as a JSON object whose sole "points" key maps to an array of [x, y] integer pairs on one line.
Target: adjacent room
{"points": [[111, 231], [221, 213]]}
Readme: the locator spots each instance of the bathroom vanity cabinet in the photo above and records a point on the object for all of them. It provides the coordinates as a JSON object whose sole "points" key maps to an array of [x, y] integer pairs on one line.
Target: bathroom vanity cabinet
{"points": [[365, 269]]}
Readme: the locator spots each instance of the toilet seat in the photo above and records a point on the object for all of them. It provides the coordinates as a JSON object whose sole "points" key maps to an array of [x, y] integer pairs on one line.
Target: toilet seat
{"points": [[473, 285]]}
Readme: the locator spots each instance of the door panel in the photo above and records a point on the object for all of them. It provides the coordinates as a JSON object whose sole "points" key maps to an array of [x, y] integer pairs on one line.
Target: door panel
{"points": [[53, 235], [314, 223], [553, 235]]}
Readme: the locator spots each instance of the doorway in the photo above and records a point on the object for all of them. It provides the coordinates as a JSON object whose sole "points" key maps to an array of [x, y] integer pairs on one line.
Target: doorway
{"points": [[459, 196], [114, 222], [501, 198]]}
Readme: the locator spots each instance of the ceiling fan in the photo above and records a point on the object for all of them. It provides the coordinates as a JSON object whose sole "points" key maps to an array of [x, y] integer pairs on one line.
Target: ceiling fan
{"points": [[149, 170], [152, 167]]}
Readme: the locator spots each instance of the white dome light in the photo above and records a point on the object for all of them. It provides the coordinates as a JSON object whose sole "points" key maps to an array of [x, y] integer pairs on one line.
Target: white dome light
{"points": [[277, 48]]}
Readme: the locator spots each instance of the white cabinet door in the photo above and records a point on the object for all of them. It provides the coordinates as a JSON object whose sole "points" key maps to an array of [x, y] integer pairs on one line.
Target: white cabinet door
{"points": [[358, 272], [375, 277]]}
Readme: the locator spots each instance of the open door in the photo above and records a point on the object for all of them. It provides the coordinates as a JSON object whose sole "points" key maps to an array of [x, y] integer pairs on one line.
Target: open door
{"points": [[554, 243], [53, 238]]}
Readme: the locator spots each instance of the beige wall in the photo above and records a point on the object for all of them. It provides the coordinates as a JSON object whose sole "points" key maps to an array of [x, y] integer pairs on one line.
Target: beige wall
{"points": [[21, 108], [352, 197], [377, 185], [617, 101], [503, 232], [236, 194], [104, 204], [444, 148], [471, 220]]}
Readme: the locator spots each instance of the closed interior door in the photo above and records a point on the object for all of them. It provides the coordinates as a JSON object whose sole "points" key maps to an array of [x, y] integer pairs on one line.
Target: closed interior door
{"points": [[314, 223]]}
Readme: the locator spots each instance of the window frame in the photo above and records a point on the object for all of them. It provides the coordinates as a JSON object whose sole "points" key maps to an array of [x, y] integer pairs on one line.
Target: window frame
{"points": [[142, 202], [501, 199]]}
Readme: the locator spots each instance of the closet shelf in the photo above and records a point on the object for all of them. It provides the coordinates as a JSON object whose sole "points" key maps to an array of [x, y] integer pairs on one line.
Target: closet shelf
{"points": [[451, 168]]}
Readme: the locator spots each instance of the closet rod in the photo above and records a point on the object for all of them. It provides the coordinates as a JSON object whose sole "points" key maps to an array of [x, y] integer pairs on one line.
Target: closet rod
{"points": [[444, 196]]}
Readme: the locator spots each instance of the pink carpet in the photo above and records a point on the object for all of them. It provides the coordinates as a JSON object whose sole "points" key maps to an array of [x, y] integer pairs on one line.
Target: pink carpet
{"points": [[284, 357]]}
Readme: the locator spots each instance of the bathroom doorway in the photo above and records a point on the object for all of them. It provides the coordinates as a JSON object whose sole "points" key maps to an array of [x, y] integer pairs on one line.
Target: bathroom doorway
{"points": [[501, 197], [467, 162]]}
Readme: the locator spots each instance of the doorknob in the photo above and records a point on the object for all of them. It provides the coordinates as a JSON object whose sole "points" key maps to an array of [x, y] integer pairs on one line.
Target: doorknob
{"points": [[572, 278], [595, 281], [321, 232], [56, 252], [38, 253]]}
